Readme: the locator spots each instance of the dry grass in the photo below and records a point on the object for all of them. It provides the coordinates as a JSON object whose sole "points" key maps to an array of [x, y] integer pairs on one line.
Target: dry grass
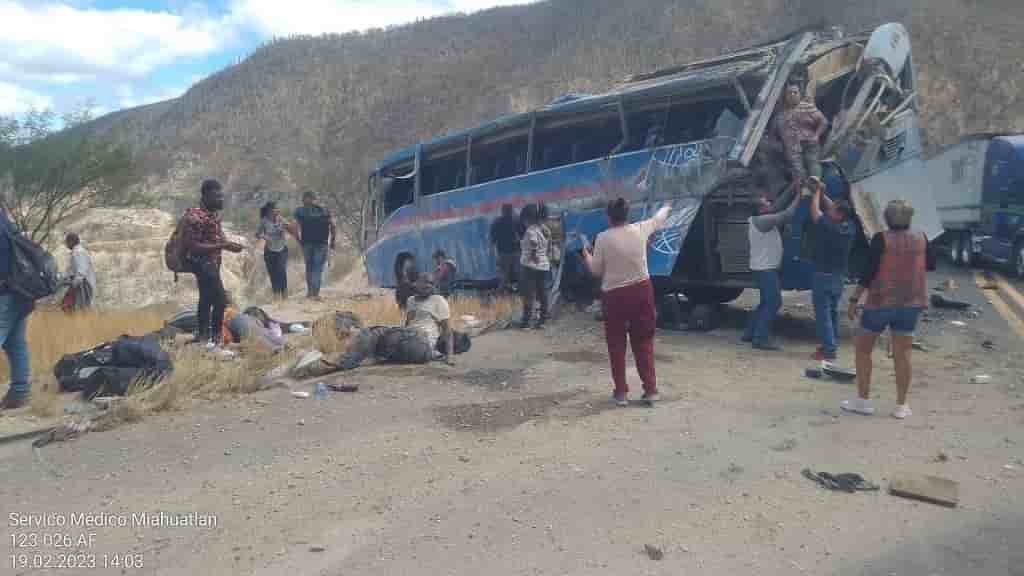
{"points": [[52, 334], [198, 374]]}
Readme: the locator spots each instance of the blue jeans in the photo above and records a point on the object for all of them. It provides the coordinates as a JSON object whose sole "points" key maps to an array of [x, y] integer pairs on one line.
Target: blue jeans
{"points": [[899, 321], [13, 321], [316, 257], [759, 328], [828, 290]]}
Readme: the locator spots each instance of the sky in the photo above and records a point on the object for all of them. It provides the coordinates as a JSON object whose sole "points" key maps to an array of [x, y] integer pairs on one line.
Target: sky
{"points": [[113, 54]]}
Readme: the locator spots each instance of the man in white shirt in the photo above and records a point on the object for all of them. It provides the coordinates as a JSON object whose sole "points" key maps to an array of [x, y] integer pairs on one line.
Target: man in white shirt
{"points": [[765, 261], [428, 313]]}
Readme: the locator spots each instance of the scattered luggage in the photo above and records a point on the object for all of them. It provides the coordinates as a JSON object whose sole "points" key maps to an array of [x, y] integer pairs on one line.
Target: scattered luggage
{"points": [[110, 369]]}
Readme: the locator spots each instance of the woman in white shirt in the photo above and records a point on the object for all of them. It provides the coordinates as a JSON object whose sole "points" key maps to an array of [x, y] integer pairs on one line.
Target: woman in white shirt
{"points": [[619, 258]]}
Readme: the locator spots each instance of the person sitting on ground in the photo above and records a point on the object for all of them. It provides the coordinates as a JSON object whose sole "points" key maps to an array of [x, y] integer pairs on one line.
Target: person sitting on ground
{"points": [[80, 277], [444, 273], [765, 262], [894, 279]]}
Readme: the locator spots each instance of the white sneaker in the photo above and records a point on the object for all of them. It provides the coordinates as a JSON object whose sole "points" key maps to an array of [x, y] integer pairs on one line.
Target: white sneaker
{"points": [[858, 406], [902, 411]]}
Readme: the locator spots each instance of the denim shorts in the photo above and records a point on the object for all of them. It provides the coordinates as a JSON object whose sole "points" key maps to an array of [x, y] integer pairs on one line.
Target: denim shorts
{"points": [[900, 321]]}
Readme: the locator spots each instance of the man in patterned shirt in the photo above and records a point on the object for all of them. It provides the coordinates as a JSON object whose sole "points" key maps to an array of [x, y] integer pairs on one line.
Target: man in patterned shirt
{"points": [[204, 240]]}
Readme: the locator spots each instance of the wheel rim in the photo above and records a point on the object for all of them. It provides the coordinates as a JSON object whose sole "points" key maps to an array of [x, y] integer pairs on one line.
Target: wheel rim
{"points": [[966, 249], [954, 252]]}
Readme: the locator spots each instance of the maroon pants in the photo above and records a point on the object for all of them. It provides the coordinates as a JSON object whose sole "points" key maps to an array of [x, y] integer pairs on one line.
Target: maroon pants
{"points": [[630, 310]]}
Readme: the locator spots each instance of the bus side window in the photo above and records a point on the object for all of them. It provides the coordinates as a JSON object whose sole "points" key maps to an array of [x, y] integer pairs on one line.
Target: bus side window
{"points": [[397, 192]]}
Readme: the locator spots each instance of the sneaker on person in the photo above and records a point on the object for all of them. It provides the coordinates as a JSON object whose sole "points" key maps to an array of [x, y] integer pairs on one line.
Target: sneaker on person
{"points": [[858, 406], [12, 401], [902, 411], [651, 398], [767, 346], [620, 400]]}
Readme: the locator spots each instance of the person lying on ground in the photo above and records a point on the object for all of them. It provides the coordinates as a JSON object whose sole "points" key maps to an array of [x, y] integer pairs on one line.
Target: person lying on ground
{"points": [[426, 336]]}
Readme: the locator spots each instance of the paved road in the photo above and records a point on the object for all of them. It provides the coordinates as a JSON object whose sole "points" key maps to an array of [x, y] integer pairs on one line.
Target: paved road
{"points": [[514, 462]]}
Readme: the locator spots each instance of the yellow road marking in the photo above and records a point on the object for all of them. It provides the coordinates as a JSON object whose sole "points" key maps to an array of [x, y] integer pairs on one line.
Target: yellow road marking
{"points": [[1000, 305], [1010, 290]]}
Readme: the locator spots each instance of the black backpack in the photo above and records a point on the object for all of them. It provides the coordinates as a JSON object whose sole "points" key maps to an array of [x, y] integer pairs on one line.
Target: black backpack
{"points": [[33, 274], [316, 225]]}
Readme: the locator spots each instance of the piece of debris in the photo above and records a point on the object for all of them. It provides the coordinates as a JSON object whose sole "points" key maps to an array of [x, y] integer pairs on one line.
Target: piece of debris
{"points": [[939, 301], [1009, 467], [942, 457], [300, 394], [845, 482], [317, 549], [988, 345], [948, 285], [62, 433], [981, 379], [838, 373], [931, 489], [958, 323], [653, 552], [341, 387], [812, 373]]}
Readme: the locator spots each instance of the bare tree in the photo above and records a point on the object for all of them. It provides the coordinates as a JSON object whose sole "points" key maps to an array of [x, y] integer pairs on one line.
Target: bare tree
{"points": [[49, 175]]}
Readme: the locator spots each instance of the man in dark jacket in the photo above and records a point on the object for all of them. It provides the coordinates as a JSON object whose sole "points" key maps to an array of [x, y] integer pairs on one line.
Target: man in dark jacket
{"points": [[14, 313], [505, 237]]}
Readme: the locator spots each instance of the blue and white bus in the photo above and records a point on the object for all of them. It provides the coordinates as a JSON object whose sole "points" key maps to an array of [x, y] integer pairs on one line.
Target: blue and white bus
{"points": [[700, 136]]}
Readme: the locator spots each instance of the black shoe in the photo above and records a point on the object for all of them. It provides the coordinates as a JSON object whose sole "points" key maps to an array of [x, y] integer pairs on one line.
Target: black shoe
{"points": [[524, 324], [769, 346], [13, 401], [746, 338]]}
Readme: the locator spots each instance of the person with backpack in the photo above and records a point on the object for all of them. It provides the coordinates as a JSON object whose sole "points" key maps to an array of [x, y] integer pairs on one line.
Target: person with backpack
{"points": [[316, 233], [14, 312], [203, 242]]}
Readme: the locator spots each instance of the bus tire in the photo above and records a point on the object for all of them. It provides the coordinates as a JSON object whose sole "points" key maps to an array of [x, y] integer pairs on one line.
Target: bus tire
{"points": [[956, 247], [967, 250], [698, 294]]}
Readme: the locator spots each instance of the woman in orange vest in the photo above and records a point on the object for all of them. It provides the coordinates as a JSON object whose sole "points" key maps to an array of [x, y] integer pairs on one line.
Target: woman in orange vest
{"points": [[894, 279]]}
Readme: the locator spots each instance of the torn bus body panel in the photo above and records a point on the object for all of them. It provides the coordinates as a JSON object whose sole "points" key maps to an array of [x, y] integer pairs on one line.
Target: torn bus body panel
{"points": [[704, 137]]}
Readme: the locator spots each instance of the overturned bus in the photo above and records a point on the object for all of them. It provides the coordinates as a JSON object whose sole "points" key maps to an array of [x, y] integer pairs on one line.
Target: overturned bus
{"points": [[702, 137]]}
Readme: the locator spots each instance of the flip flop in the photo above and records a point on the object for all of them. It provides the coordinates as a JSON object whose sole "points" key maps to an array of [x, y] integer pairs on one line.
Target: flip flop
{"points": [[845, 482]]}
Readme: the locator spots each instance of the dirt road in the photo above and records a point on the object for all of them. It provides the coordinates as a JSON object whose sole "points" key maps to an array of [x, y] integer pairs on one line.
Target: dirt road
{"points": [[514, 462]]}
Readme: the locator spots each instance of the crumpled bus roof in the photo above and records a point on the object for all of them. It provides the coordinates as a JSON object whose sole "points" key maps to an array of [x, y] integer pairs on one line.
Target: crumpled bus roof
{"points": [[692, 78]]}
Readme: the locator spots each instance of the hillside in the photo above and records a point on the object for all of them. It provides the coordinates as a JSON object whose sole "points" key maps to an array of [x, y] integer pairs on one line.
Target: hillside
{"points": [[318, 112]]}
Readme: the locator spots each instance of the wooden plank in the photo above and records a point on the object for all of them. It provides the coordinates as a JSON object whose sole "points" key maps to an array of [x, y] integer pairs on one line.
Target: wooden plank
{"points": [[931, 489]]}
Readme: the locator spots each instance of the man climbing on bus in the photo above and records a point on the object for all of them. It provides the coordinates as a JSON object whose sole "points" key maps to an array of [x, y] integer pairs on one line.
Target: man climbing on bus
{"points": [[317, 233], [834, 234]]}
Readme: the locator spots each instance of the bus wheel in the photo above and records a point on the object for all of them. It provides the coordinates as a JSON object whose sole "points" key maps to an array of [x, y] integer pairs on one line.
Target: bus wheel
{"points": [[967, 249], [711, 294], [956, 248]]}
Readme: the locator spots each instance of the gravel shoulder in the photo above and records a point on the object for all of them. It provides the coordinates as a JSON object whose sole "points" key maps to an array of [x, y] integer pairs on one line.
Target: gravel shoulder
{"points": [[514, 462]]}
